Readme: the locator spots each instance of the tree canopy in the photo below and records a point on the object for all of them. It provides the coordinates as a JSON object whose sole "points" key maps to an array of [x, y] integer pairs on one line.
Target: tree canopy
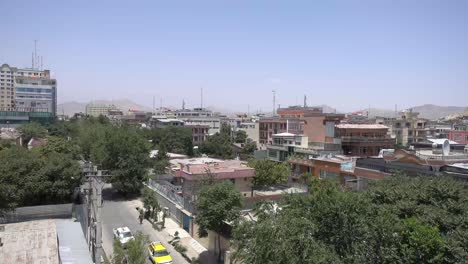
{"points": [[269, 173], [397, 220]]}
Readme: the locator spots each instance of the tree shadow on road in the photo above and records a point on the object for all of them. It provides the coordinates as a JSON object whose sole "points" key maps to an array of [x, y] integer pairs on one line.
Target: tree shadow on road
{"points": [[111, 194]]}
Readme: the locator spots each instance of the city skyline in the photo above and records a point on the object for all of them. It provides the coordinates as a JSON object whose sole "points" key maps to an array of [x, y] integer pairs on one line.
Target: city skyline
{"points": [[347, 55]]}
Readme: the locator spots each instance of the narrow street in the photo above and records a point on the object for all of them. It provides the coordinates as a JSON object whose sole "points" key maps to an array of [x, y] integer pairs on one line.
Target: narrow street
{"points": [[118, 212]]}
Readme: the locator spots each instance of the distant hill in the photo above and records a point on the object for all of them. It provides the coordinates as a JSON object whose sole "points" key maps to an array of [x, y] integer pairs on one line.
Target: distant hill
{"points": [[70, 108], [428, 111]]}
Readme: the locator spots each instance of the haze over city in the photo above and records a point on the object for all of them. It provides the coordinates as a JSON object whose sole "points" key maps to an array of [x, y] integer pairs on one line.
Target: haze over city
{"points": [[347, 54]]}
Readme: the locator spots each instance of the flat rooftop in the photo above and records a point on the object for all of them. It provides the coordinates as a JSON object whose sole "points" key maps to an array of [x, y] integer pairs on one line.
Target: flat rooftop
{"points": [[361, 126], [30, 242]]}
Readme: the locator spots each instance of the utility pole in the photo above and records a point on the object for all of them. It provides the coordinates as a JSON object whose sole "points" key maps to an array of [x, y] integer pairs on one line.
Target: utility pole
{"points": [[274, 102], [93, 190]]}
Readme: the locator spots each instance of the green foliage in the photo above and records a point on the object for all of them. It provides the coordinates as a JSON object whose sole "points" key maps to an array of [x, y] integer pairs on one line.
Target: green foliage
{"points": [[215, 204], [135, 252], [151, 203], [269, 173], [4, 144], [248, 151], [31, 130], [398, 220], [176, 139], [125, 153], [241, 136], [218, 145], [29, 178]]}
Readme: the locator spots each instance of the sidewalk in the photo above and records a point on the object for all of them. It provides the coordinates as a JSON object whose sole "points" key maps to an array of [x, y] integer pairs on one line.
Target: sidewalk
{"points": [[194, 249]]}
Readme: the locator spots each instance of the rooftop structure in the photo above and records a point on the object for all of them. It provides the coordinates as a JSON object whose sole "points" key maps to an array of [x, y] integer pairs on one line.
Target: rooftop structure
{"points": [[364, 139], [189, 171]]}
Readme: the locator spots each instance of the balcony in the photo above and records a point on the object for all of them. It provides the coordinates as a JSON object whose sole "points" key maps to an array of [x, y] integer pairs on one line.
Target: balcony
{"points": [[384, 140]]}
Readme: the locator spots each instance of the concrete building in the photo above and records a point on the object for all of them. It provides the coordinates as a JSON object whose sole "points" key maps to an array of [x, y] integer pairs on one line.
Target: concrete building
{"points": [[252, 129], [27, 90], [409, 128], [364, 139], [297, 111], [459, 136], [101, 109], [200, 117], [7, 87], [165, 122], [191, 174], [270, 126], [199, 133]]}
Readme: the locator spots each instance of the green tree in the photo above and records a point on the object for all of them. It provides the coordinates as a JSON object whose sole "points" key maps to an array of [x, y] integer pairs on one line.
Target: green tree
{"points": [[151, 203], [125, 154], [135, 252], [241, 136], [217, 204], [31, 130], [398, 220], [218, 145], [269, 173], [32, 179]]}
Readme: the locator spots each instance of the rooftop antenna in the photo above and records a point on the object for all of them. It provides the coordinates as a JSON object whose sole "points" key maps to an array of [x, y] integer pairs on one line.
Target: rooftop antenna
{"points": [[274, 102], [201, 97], [35, 53], [160, 103], [154, 109], [41, 64], [305, 101], [183, 104], [396, 110], [32, 60], [248, 110]]}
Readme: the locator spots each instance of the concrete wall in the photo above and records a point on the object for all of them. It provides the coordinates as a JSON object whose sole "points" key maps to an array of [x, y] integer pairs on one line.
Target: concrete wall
{"points": [[314, 129]]}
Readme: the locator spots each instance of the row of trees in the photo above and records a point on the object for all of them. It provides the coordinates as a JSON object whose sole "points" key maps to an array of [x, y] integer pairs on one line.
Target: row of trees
{"points": [[220, 145], [397, 220]]}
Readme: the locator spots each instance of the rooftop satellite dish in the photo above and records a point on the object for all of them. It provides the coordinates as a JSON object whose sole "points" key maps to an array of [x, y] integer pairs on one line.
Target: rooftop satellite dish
{"points": [[446, 148]]}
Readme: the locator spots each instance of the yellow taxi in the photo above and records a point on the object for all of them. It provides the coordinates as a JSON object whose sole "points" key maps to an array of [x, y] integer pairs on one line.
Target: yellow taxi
{"points": [[158, 254]]}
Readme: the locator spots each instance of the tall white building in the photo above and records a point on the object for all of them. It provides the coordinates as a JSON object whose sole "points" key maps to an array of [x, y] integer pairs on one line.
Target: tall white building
{"points": [[27, 90]]}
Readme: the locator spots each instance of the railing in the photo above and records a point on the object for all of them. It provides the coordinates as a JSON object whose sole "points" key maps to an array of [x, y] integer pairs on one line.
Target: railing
{"points": [[442, 157], [167, 191], [366, 139]]}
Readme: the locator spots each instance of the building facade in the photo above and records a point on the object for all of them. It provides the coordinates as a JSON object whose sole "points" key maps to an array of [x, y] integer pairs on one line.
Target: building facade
{"points": [[459, 136], [192, 174], [199, 133], [100, 109], [200, 117], [364, 139], [7, 87], [27, 90], [409, 128]]}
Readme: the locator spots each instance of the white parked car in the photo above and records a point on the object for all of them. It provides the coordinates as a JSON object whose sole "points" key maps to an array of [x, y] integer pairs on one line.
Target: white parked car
{"points": [[123, 234]]}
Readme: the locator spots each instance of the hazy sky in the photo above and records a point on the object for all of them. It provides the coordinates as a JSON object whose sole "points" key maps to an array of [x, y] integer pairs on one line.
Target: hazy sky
{"points": [[347, 54]]}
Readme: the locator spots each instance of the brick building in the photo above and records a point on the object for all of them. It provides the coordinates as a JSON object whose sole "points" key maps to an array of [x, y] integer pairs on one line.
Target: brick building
{"points": [[364, 139]]}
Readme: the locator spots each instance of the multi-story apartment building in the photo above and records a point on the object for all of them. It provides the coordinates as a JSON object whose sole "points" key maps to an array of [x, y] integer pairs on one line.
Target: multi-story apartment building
{"points": [[7, 87], [100, 109], [199, 133], [409, 128], [200, 117], [364, 139], [297, 111], [30, 90], [275, 125]]}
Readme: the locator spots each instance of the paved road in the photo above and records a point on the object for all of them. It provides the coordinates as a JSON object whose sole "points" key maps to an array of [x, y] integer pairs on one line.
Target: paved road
{"points": [[117, 212]]}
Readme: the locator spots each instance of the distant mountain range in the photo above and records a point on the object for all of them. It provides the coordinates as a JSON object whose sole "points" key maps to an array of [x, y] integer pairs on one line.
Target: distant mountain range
{"points": [[428, 111]]}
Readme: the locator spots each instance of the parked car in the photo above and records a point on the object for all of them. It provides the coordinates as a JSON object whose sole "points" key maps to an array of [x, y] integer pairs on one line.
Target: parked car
{"points": [[123, 234], [158, 254]]}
